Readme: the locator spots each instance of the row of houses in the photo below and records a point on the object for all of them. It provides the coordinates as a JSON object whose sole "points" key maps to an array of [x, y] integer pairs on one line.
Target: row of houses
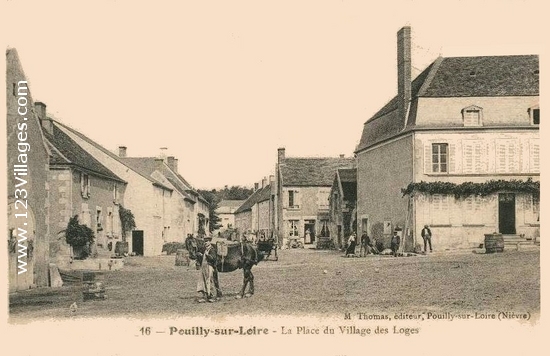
{"points": [[67, 173], [456, 149]]}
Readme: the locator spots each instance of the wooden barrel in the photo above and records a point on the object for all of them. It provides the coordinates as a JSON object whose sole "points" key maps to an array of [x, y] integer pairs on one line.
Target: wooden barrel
{"points": [[494, 243], [182, 257]]}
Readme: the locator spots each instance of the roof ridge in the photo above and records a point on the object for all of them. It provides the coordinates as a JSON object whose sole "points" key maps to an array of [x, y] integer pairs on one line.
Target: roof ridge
{"points": [[106, 151], [430, 77]]}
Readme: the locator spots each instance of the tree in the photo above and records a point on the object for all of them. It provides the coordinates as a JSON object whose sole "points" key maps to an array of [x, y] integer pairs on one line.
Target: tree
{"points": [[80, 237], [213, 200]]}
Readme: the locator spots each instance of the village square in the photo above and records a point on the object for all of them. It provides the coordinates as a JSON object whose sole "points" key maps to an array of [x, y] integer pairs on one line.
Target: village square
{"points": [[436, 213]]}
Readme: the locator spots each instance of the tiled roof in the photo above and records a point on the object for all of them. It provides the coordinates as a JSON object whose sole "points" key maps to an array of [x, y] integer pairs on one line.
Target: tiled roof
{"points": [[258, 196], [314, 172], [457, 77], [145, 166], [348, 175], [485, 76], [109, 153], [65, 151]]}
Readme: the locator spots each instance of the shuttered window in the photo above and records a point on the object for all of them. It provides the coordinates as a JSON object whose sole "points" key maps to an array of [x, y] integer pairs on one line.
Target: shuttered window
{"points": [[440, 209], [534, 156], [473, 208], [508, 155], [474, 156], [294, 199]]}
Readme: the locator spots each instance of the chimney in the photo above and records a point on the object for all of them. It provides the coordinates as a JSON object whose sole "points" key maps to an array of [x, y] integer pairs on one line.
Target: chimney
{"points": [[264, 182], [256, 186], [122, 151], [280, 155], [163, 153], [172, 162], [403, 72], [46, 122]]}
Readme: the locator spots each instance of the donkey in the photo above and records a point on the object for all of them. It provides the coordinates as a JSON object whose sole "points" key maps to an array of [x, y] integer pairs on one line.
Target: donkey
{"points": [[230, 257]]}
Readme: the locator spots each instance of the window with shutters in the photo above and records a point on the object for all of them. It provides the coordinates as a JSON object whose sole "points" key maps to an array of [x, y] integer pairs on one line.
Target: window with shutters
{"points": [[508, 155], [472, 116], [84, 185], [531, 209], [440, 157], [534, 156], [473, 207], [323, 198], [474, 157], [293, 199], [439, 209]]}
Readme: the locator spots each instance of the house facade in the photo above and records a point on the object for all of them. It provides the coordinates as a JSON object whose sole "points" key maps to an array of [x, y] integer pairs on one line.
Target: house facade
{"points": [[80, 185], [303, 188], [186, 210], [342, 206], [28, 223], [256, 213], [226, 212], [463, 138], [147, 197]]}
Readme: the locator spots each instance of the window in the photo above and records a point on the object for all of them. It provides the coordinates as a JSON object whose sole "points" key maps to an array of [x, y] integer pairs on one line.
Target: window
{"points": [[472, 116], [474, 210], [440, 157], [474, 156], [534, 115], [293, 228], [293, 199], [507, 156], [323, 198], [534, 156], [440, 209], [531, 208], [115, 194], [84, 185]]}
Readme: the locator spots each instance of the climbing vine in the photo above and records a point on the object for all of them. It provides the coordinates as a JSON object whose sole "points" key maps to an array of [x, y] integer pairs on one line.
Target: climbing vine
{"points": [[127, 221], [467, 189]]}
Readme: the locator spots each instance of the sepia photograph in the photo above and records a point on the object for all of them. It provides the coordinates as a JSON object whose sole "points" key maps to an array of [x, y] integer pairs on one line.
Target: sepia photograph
{"points": [[249, 177]]}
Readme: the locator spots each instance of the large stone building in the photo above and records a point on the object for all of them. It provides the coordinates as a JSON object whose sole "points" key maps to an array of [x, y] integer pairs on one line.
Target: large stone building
{"points": [[301, 202], [80, 185], [27, 186], [147, 197], [465, 127]]}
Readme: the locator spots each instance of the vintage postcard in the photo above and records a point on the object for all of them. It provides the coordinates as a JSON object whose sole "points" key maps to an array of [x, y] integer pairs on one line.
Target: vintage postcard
{"points": [[252, 177]]}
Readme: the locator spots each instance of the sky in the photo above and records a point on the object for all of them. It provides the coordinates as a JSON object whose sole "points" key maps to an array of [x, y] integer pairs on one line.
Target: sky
{"points": [[223, 84]]}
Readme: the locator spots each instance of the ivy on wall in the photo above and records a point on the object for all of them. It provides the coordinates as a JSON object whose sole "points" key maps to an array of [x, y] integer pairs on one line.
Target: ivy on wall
{"points": [[467, 189]]}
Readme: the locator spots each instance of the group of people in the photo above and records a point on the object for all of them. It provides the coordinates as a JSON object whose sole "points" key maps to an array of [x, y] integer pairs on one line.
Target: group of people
{"points": [[368, 245]]}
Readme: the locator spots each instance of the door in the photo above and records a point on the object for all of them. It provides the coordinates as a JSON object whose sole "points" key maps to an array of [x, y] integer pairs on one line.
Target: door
{"points": [[507, 213], [339, 227], [137, 242], [309, 231]]}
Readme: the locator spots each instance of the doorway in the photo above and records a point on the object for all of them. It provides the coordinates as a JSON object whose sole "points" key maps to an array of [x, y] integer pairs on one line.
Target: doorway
{"points": [[309, 229], [507, 213], [137, 242]]}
